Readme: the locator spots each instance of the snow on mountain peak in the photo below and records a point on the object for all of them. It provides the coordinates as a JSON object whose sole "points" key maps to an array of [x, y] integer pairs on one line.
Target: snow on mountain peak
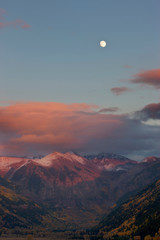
{"points": [[74, 157], [56, 156], [6, 163], [150, 159]]}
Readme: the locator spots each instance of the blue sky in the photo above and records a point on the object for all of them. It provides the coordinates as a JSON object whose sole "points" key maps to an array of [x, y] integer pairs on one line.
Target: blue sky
{"points": [[59, 59], [49, 52]]}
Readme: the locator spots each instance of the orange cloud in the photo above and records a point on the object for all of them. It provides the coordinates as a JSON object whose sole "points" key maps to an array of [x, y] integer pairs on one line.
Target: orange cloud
{"points": [[119, 90], [149, 77]]}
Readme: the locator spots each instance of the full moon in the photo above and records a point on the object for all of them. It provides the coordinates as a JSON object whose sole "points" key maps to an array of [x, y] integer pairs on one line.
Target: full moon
{"points": [[102, 44]]}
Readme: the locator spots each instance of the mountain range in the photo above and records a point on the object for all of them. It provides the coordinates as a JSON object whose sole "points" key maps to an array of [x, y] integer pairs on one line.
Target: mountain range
{"points": [[69, 191]]}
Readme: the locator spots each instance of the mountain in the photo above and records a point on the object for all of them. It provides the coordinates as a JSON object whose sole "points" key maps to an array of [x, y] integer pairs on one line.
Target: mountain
{"points": [[55, 169], [7, 163], [51, 176], [78, 190], [110, 161], [106, 155], [139, 216], [151, 159]]}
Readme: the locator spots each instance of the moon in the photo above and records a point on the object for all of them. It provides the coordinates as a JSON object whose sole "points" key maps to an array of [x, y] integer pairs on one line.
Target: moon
{"points": [[102, 43]]}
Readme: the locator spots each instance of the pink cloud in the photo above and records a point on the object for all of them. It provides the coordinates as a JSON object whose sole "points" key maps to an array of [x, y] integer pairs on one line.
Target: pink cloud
{"points": [[52, 125], [44, 127], [15, 23], [25, 25], [149, 77], [120, 90], [2, 25]]}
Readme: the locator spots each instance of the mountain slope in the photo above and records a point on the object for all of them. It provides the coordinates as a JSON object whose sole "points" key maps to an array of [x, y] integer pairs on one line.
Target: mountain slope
{"points": [[110, 161], [7, 163], [17, 211], [138, 216]]}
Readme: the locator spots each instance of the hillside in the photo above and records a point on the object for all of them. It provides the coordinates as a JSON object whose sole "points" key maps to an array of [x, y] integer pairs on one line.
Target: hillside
{"points": [[140, 215], [18, 212]]}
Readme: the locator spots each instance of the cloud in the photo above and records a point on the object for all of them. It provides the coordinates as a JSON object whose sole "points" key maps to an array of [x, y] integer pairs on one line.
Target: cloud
{"points": [[15, 23], [25, 25], [149, 77], [31, 125], [150, 111], [37, 127], [127, 66], [120, 90], [110, 109], [152, 122]]}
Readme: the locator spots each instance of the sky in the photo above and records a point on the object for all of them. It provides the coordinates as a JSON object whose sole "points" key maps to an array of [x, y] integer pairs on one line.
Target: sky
{"points": [[61, 91]]}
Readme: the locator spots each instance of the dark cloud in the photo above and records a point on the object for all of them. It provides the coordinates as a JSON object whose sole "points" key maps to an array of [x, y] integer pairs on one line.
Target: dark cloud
{"points": [[110, 109], [150, 111]]}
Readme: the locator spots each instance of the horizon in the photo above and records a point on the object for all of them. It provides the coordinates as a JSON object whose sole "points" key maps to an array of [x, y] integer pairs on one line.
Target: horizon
{"points": [[84, 155]]}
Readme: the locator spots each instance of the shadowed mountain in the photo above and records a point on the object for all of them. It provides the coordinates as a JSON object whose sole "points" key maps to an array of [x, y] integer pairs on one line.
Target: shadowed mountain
{"points": [[110, 161], [19, 213], [16, 210], [140, 215]]}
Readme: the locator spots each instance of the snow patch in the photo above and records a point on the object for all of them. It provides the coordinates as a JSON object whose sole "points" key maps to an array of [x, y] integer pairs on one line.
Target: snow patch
{"points": [[49, 159], [73, 157], [8, 161]]}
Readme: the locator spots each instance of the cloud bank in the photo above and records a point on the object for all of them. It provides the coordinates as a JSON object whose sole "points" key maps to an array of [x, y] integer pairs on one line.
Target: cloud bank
{"points": [[36, 127]]}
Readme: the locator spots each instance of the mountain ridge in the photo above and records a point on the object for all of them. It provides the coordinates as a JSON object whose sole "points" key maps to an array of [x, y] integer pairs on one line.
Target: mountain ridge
{"points": [[76, 189]]}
